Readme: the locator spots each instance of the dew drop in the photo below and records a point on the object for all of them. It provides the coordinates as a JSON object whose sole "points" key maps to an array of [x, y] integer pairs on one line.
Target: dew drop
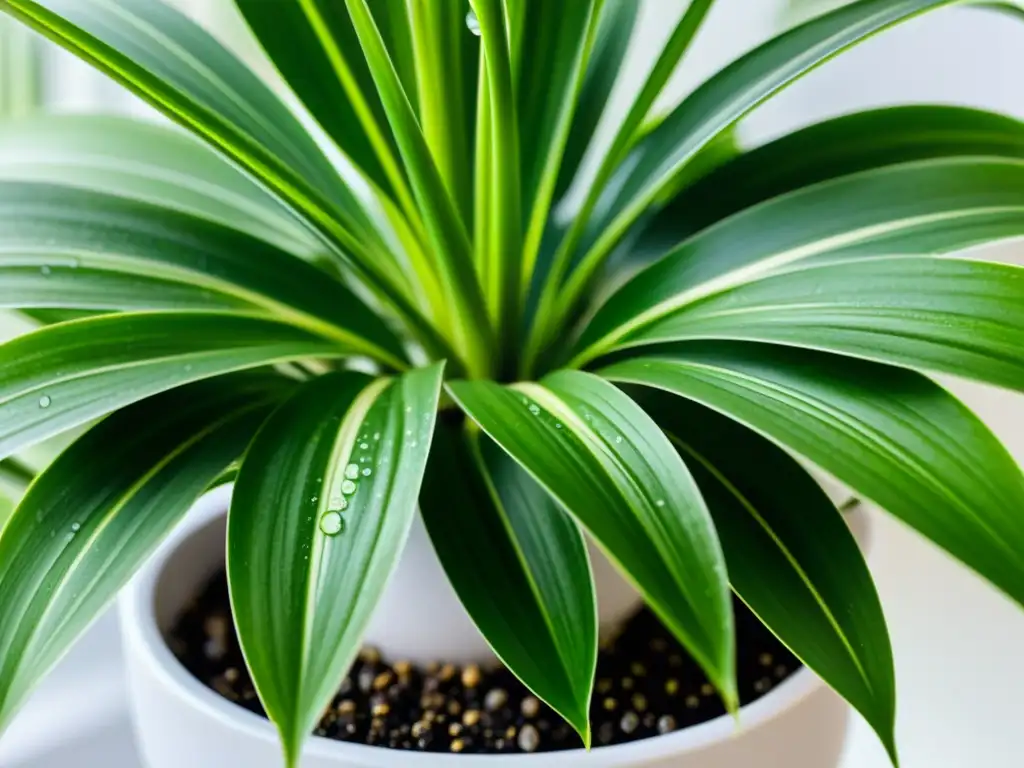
{"points": [[314, 499], [352, 471], [660, 503], [473, 23], [332, 523], [44, 270], [188, 367], [76, 527], [367, 471], [348, 487], [376, 436], [408, 409], [73, 262], [413, 444], [338, 504], [558, 425], [44, 401], [534, 409], [364, 446]]}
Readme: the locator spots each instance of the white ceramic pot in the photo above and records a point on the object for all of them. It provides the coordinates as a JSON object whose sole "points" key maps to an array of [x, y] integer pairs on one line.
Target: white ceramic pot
{"points": [[179, 722]]}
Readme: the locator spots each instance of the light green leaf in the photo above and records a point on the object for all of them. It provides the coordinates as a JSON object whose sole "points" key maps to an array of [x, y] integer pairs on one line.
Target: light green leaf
{"points": [[446, 231], [519, 565], [321, 510], [42, 223], [445, 58], [790, 555], [828, 150], [891, 435], [93, 517], [603, 459], [64, 375], [950, 315], [615, 28], [503, 266], [720, 102], [922, 207], [149, 162], [314, 46]]}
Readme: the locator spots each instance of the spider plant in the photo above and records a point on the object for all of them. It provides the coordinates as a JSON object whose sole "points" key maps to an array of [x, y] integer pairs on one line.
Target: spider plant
{"points": [[378, 295]]}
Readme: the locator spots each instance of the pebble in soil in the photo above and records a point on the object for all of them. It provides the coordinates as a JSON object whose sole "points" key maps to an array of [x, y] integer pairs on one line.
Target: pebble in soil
{"points": [[646, 685]]}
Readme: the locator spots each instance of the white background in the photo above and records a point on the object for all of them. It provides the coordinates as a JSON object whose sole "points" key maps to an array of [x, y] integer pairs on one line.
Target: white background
{"points": [[959, 646]]}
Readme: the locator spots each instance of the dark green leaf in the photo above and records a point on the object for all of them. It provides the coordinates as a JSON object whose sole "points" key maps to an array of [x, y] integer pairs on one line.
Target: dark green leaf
{"points": [[609, 465], [92, 518], [950, 315], [172, 63], [941, 204], [790, 555], [64, 375], [891, 435], [721, 101], [838, 147], [321, 510], [519, 565], [102, 232], [315, 47]]}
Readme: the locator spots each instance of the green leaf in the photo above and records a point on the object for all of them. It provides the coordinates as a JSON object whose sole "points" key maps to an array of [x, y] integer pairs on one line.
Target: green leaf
{"points": [[444, 56], [891, 435], [93, 517], [950, 315], [561, 36], [615, 28], [932, 205], [790, 555], [720, 102], [446, 231], [35, 282], [504, 267], [172, 63], [64, 375], [43, 223], [519, 565], [149, 162], [548, 319], [315, 47], [321, 509], [603, 459], [838, 147]]}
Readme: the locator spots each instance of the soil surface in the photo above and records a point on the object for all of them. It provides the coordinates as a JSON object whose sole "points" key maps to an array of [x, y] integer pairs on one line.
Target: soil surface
{"points": [[646, 685]]}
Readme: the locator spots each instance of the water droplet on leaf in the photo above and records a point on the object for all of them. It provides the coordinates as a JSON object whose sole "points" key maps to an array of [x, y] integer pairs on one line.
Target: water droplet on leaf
{"points": [[44, 401], [364, 446], [534, 409], [473, 23], [348, 487], [660, 503], [332, 523], [44, 270], [352, 471], [367, 471]]}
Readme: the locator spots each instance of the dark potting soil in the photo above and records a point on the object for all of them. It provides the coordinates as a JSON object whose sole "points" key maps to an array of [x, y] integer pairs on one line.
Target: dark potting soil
{"points": [[646, 685]]}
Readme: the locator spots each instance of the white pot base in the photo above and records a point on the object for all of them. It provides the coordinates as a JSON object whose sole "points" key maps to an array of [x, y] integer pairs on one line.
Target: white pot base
{"points": [[179, 722]]}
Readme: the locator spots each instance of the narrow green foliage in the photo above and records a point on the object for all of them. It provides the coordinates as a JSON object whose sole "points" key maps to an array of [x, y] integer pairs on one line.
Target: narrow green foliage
{"points": [[394, 287]]}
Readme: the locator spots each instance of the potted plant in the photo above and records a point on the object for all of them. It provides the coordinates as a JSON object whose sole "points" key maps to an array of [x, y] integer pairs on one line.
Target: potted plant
{"points": [[381, 306]]}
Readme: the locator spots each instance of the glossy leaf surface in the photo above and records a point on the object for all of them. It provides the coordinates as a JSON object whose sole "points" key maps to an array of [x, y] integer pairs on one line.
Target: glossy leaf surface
{"points": [[519, 565], [891, 435], [320, 513], [92, 518], [791, 556], [609, 465]]}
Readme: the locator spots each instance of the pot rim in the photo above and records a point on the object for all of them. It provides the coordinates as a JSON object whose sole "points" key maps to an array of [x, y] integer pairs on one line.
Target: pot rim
{"points": [[144, 637]]}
